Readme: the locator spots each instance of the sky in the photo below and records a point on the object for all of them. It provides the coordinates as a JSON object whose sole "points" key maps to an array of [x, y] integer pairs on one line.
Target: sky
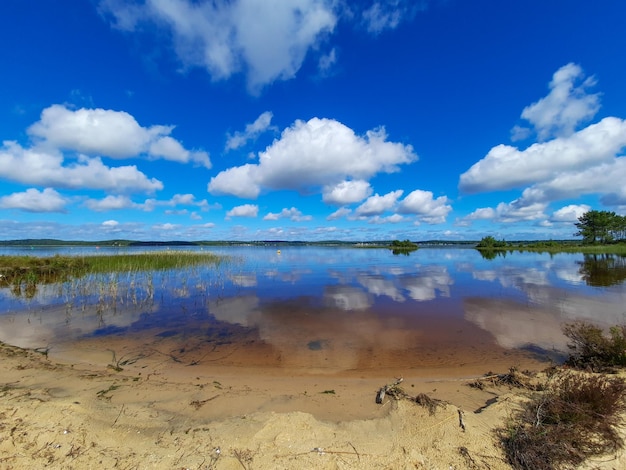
{"points": [[310, 119]]}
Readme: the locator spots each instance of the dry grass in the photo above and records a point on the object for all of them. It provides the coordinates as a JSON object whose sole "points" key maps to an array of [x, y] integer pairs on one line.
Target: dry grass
{"points": [[574, 418], [591, 349]]}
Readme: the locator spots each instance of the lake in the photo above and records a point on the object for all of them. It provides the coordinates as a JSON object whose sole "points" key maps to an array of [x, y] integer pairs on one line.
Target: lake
{"points": [[318, 310]]}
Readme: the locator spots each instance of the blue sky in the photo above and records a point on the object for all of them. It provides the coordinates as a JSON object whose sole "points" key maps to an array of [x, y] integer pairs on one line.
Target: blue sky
{"points": [[310, 119]]}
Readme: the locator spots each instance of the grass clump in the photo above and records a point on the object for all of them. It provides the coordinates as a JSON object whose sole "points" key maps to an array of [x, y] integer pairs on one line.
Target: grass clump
{"points": [[155, 261], [24, 273], [592, 349], [575, 418]]}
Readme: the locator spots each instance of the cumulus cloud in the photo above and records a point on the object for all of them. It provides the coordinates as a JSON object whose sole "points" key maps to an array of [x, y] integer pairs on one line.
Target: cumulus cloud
{"points": [[346, 192], [292, 214], [267, 40], [309, 155], [252, 131], [245, 210], [119, 202], [33, 200], [606, 180], [104, 132], [569, 214], [516, 211], [566, 106], [507, 167], [570, 165], [424, 205], [376, 205], [34, 166], [110, 203], [110, 223]]}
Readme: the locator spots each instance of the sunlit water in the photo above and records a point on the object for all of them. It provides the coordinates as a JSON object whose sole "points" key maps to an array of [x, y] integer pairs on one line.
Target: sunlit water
{"points": [[328, 310]]}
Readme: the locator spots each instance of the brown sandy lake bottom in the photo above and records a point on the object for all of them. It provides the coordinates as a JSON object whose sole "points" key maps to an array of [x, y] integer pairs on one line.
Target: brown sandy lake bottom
{"points": [[294, 357]]}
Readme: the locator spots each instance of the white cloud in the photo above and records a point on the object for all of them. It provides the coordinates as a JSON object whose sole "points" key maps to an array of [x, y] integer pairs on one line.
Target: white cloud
{"points": [[45, 168], [569, 213], [104, 132], [392, 219], [118, 202], [320, 152], [520, 133], [388, 14], [483, 213], [346, 192], [422, 204], [327, 61], [110, 203], [291, 214], [266, 39], [339, 213], [245, 210], [110, 223], [606, 180], [33, 200], [252, 131], [376, 205], [168, 148], [566, 106], [165, 227], [517, 211], [506, 167]]}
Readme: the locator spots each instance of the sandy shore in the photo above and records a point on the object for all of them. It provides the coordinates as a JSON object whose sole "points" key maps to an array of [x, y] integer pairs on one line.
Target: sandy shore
{"points": [[159, 413]]}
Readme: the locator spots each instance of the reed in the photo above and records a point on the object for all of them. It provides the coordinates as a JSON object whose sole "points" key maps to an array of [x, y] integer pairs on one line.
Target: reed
{"points": [[95, 274]]}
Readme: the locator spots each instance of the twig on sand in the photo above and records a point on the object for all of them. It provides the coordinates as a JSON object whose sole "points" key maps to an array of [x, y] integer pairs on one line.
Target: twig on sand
{"points": [[118, 415]]}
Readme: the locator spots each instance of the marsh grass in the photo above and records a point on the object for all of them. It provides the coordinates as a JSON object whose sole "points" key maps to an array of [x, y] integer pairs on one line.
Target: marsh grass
{"points": [[154, 261], [87, 275]]}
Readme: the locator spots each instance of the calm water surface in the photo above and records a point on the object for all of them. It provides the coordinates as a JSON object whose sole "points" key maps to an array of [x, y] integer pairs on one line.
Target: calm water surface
{"points": [[329, 309]]}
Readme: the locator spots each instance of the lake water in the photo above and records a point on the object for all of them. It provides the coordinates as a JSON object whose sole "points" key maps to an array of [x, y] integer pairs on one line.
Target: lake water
{"points": [[327, 310]]}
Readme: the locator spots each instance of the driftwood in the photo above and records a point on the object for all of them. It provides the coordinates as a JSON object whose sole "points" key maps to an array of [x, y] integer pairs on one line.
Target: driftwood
{"points": [[393, 387], [394, 391]]}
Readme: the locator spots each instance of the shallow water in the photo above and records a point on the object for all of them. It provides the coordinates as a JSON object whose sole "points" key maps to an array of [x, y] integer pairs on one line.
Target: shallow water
{"points": [[313, 310]]}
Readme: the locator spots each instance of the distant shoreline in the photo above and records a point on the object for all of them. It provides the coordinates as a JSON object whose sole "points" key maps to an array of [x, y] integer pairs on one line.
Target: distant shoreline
{"points": [[132, 243]]}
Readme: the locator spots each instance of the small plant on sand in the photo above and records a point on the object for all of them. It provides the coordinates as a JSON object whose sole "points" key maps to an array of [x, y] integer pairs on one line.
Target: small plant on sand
{"points": [[591, 349], [576, 417]]}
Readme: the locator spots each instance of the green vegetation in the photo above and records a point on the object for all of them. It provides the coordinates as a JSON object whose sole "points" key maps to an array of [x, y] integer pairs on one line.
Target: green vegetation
{"points": [[24, 273], [156, 261], [576, 415], [591, 349], [602, 227], [490, 243], [403, 247]]}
